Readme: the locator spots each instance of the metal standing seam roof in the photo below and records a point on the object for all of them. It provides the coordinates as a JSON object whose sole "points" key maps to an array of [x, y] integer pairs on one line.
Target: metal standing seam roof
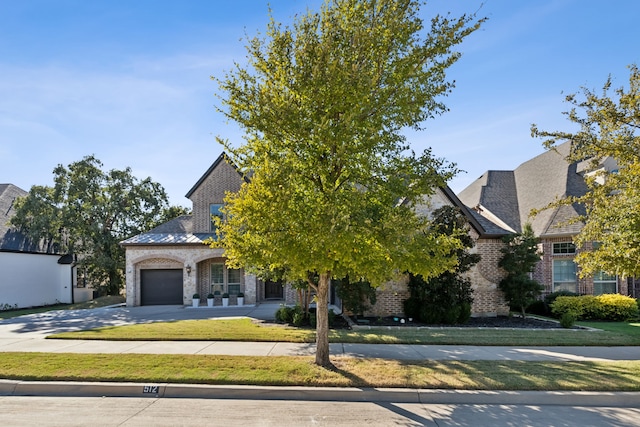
{"points": [[178, 231], [167, 239]]}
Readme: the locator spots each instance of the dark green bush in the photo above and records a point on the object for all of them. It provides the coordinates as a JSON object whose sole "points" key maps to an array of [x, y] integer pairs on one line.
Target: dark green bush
{"points": [[332, 318], [465, 312], [285, 314], [446, 298], [356, 297], [443, 299], [412, 307], [299, 319], [567, 320], [313, 321], [538, 307]]}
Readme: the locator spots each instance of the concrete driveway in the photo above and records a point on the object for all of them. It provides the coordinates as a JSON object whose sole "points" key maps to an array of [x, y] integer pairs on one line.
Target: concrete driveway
{"points": [[51, 322]]}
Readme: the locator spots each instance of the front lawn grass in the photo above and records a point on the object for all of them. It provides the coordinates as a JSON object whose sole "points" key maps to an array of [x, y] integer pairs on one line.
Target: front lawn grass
{"points": [[300, 371], [248, 330]]}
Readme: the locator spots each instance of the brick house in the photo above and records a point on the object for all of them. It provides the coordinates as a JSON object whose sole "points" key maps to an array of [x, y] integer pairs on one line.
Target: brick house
{"points": [[170, 263], [508, 197], [485, 276]]}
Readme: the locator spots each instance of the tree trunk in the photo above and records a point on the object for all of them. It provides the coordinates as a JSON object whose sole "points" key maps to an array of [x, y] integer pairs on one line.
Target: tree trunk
{"points": [[322, 319]]}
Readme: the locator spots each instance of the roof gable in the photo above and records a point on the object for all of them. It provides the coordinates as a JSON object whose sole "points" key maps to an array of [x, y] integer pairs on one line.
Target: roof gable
{"points": [[512, 195], [221, 158]]}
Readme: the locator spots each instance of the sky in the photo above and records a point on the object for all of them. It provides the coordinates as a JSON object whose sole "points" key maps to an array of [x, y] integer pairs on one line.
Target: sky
{"points": [[129, 81]]}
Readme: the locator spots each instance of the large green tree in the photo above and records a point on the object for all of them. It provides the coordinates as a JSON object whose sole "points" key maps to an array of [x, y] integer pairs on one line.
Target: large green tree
{"points": [[333, 183], [88, 212], [609, 126]]}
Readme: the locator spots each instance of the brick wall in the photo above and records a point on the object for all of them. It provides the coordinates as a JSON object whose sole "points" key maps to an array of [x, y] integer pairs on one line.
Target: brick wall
{"points": [[224, 178], [198, 257], [485, 276], [543, 272]]}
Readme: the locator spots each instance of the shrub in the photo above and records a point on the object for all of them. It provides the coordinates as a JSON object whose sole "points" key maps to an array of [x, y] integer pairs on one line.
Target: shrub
{"points": [[451, 315], [313, 321], [611, 307], [285, 314], [412, 307], [617, 307], [567, 320], [298, 318], [538, 307], [356, 297], [443, 299], [332, 318], [465, 312], [446, 298], [568, 304], [549, 299]]}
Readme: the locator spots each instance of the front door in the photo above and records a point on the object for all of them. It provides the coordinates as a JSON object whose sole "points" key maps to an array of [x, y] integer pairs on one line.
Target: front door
{"points": [[273, 289]]}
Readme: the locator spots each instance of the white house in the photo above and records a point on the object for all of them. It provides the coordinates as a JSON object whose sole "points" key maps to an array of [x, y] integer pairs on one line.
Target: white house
{"points": [[29, 276]]}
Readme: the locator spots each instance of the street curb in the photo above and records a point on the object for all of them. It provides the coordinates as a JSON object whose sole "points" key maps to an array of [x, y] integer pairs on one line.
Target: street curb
{"points": [[339, 394]]}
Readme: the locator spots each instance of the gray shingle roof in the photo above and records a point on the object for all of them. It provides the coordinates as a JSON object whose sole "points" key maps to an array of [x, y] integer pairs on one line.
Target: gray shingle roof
{"points": [[482, 225], [178, 231], [10, 238], [511, 195]]}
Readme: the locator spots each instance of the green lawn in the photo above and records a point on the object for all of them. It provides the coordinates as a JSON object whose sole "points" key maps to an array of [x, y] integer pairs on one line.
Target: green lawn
{"points": [[300, 371], [350, 372], [613, 334]]}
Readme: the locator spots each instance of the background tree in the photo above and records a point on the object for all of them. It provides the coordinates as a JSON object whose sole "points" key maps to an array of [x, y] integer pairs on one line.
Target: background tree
{"points": [[519, 257], [88, 212], [323, 105], [445, 298], [609, 127]]}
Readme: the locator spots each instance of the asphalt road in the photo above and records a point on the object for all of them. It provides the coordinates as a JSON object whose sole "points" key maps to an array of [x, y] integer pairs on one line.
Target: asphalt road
{"points": [[96, 412]]}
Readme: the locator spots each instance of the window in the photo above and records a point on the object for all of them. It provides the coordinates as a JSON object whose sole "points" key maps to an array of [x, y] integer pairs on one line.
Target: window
{"points": [[217, 278], [564, 248], [214, 211], [225, 279], [604, 283], [233, 277], [564, 275]]}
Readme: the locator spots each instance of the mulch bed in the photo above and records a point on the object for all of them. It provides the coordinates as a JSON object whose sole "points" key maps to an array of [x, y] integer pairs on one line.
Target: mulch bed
{"points": [[474, 322]]}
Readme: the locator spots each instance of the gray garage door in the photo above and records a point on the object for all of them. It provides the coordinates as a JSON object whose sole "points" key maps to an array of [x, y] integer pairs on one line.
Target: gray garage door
{"points": [[160, 287]]}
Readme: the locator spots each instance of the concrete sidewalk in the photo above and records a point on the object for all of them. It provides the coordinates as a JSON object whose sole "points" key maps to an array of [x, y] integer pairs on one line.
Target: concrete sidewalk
{"points": [[382, 351]]}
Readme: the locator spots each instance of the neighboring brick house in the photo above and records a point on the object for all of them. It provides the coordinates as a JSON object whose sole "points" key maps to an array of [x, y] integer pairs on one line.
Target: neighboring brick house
{"points": [[485, 276], [508, 197]]}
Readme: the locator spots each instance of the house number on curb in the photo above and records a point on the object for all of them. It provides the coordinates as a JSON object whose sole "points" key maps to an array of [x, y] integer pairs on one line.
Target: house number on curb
{"points": [[150, 389]]}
